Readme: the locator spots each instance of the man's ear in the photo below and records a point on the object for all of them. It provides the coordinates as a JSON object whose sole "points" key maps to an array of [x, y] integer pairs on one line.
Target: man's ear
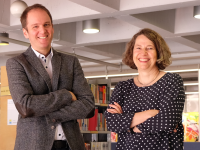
{"points": [[25, 32]]}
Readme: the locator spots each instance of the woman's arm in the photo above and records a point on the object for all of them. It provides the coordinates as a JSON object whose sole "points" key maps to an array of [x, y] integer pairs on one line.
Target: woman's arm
{"points": [[138, 118], [118, 122], [171, 108], [141, 117]]}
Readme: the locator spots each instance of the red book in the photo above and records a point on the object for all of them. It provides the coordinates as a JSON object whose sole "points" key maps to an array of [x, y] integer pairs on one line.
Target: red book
{"points": [[93, 122]]}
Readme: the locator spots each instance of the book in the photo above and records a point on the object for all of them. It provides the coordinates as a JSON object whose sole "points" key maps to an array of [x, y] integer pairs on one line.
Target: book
{"points": [[107, 95], [93, 145], [96, 100], [104, 94], [87, 146], [100, 94], [94, 138], [114, 137], [97, 88], [190, 123], [100, 146], [93, 122], [100, 122]]}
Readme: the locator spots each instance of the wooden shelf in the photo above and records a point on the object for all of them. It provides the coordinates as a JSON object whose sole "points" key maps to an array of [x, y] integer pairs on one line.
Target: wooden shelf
{"points": [[98, 104], [96, 132]]}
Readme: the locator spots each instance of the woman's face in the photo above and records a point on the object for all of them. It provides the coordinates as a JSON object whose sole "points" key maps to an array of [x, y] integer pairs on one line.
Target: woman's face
{"points": [[144, 53]]}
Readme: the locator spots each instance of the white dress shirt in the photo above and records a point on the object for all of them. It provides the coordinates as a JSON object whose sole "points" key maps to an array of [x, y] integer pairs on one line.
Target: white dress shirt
{"points": [[46, 62]]}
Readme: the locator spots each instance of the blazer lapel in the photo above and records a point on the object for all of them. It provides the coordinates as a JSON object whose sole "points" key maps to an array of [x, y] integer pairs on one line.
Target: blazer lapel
{"points": [[35, 62], [56, 66]]}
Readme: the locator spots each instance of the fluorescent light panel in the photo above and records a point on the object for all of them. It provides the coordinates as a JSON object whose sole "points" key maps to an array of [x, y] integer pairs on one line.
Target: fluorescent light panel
{"points": [[128, 74], [133, 74], [190, 84], [188, 70], [100, 76], [191, 92]]}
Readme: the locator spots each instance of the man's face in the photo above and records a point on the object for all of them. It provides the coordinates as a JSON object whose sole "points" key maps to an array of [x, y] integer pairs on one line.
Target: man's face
{"points": [[39, 30]]}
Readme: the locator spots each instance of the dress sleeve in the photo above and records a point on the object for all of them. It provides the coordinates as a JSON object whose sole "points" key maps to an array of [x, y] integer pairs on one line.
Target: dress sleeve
{"points": [[118, 122], [171, 108]]}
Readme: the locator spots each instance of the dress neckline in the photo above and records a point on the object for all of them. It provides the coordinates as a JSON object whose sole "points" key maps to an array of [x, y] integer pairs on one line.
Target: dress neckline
{"points": [[149, 85]]}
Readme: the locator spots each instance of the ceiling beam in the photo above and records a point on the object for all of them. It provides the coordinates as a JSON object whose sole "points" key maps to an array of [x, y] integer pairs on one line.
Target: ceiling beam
{"points": [[78, 56], [102, 6]]}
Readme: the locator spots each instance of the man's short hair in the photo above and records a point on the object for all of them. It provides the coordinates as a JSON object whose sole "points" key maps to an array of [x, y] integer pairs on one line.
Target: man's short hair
{"points": [[23, 17]]}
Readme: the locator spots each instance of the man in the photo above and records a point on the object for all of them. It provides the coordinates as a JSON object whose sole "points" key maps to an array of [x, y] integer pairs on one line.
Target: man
{"points": [[48, 88]]}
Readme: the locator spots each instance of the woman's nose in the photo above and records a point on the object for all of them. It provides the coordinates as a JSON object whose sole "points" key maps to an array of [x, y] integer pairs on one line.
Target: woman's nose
{"points": [[144, 51]]}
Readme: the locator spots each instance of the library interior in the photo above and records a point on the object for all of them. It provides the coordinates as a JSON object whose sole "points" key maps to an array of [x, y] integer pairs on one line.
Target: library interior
{"points": [[100, 55]]}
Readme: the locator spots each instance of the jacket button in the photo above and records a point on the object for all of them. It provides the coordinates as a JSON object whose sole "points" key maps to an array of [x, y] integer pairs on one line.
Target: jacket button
{"points": [[52, 127], [54, 120]]}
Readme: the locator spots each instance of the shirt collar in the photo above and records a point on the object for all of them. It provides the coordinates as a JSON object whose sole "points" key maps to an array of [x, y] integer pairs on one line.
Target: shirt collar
{"points": [[41, 55]]}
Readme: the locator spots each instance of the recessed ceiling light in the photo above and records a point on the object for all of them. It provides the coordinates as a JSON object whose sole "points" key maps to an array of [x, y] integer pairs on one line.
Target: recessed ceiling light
{"points": [[196, 12], [91, 26], [4, 42]]}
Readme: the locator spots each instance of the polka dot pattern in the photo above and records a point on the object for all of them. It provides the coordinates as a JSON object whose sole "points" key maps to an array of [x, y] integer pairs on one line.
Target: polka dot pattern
{"points": [[166, 95]]}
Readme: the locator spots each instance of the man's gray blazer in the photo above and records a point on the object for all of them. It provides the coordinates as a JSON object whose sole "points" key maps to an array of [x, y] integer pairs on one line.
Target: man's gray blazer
{"points": [[43, 105]]}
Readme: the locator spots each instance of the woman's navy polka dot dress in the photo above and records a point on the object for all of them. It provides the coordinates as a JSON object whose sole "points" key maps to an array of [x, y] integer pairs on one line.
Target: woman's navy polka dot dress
{"points": [[166, 95]]}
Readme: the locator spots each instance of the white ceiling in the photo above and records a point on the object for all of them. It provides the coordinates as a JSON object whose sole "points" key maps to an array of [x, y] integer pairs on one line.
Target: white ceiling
{"points": [[119, 21]]}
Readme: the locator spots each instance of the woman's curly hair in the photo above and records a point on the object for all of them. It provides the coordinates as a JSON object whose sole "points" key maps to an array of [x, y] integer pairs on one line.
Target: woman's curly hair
{"points": [[162, 49]]}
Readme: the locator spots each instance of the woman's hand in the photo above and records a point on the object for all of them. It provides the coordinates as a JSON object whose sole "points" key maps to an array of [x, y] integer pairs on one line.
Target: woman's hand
{"points": [[175, 129], [117, 108], [135, 129]]}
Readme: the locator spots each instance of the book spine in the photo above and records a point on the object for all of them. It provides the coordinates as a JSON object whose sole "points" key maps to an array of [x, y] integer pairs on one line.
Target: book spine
{"points": [[103, 123], [83, 125], [97, 93], [96, 120], [100, 94], [107, 95], [104, 94]]}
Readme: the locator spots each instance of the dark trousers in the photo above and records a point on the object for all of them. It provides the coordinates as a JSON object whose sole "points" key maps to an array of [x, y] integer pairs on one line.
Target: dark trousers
{"points": [[60, 145], [60, 148]]}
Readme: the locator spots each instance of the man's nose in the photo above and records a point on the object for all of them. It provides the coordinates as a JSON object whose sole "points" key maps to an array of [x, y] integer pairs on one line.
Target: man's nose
{"points": [[42, 29]]}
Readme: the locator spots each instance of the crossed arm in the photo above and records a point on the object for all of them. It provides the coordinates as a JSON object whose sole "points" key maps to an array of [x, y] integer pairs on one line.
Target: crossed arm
{"points": [[138, 118], [59, 105], [165, 119]]}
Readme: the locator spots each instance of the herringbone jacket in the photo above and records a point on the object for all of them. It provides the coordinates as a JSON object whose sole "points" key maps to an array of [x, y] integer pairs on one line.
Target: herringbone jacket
{"points": [[43, 105]]}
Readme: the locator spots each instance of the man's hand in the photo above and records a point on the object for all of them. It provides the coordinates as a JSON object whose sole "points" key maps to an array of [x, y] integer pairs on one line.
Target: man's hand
{"points": [[117, 109], [73, 96]]}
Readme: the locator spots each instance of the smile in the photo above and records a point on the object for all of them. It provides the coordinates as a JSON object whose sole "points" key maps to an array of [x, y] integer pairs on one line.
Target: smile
{"points": [[43, 37], [143, 60]]}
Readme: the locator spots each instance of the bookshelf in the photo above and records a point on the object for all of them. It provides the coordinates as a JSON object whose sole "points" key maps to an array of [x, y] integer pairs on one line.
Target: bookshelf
{"points": [[94, 130], [99, 104]]}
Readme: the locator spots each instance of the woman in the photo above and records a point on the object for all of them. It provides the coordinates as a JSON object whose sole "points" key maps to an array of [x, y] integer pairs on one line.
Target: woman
{"points": [[146, 111]]}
